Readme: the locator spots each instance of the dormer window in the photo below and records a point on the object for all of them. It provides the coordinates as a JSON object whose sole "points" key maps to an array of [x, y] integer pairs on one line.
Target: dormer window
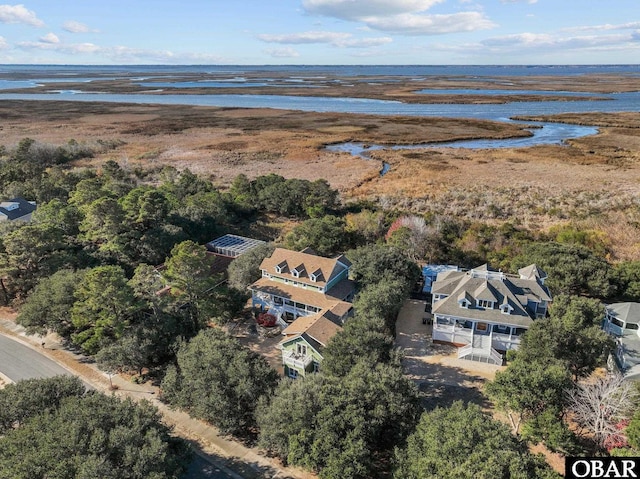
{"points": [[483, 303], [297, 271], [315, 275], [506, 308], [281, 267], [464, 303]]}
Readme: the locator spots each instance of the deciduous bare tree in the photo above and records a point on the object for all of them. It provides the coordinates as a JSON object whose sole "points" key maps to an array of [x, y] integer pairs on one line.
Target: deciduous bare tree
{"points": [[599, 406]]}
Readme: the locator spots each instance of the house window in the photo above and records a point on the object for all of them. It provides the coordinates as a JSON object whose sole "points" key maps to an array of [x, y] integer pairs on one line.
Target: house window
{"points": [[278, 269], [277, 300], [295, 273], [632, 326], [288, 302], [312, 309], [501, 328], [300, 306], [301, 349], [483, 303], [313, 277], [292, 373], [518, 331], [617, 322], [316, 367]]}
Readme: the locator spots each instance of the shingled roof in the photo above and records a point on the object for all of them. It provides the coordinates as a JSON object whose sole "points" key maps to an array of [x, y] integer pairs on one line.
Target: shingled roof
{"points": [[306, 265], [16, 208], [483, 284]]}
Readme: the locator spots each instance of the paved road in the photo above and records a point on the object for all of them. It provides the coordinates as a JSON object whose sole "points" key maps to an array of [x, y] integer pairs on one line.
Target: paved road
{"points": [[17, 362]]}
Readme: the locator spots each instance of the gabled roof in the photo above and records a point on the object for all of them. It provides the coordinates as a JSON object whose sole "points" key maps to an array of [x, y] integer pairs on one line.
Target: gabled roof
{"points": [[483, 284], [316, 330], [16, 208], [306, 263], [627, 312], [532, 272]]}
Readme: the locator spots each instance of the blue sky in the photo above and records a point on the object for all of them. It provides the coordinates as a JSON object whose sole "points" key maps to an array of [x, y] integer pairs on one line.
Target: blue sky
{"points": [[256, 32]]}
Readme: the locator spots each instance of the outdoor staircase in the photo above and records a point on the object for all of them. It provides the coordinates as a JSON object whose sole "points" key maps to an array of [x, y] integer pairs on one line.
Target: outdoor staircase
{"points": [[480, 350]]}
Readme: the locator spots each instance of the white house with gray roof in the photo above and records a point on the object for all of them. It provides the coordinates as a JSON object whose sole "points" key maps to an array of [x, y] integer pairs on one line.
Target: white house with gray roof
{"points": [[622, 321], [485, 312]]}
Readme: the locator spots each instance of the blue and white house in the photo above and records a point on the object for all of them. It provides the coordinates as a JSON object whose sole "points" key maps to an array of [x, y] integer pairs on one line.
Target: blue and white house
{"points": [[485, 312]]}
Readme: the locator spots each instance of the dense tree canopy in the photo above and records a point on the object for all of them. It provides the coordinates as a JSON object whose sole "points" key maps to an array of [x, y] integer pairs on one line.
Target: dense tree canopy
{"points": [[103, 308], [571, 334], [340, 427], [48, 307], [66, 433], [463, 442], [219, 380], [245, 269], [572, 269], [373, 263], [362, 339], [326, 236]]}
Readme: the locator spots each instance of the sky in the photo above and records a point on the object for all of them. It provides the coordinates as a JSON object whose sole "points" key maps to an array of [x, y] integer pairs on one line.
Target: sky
{"points": [[320, 32]]}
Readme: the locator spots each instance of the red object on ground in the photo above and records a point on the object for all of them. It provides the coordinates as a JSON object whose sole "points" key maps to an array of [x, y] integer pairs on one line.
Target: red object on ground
{"points": [[266, 320]]}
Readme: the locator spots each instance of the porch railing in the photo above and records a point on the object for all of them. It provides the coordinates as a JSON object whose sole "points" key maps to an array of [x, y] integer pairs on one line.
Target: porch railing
{"points": [[298, 361]]}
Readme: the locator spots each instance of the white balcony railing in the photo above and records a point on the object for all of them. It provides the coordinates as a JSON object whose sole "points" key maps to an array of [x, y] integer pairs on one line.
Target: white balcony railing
{"points": [[295, 360]]}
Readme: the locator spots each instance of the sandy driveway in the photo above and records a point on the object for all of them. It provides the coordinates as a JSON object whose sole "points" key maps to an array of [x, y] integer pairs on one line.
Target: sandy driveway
{"points": [[440, 375]]}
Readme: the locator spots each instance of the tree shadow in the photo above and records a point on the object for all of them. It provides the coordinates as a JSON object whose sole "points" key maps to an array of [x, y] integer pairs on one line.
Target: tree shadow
{"points": [[209, 465]]}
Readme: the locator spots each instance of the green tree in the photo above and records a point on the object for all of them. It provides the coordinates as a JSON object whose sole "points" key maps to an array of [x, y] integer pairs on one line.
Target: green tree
{"points": [[245, 269], [527, 389], [571, 334], [572, 269], [219, 380], [28, 398], [627, 278], [382, 299], [32, 252], [362, 339], [326, 235], [463, 442], [341, 427], [103, 309], [188, 272], [369, 261], [48, 307], [94, 437]]}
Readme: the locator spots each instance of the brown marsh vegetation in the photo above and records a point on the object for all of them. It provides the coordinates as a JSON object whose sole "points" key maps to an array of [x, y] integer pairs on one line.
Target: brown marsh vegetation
{"points": [[591, 182]]}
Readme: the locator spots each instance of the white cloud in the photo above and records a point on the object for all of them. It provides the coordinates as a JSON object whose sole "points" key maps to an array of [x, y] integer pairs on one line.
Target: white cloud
{"points": [[405, 17], [337, 39], [409, 24], [605, 27], [3, 43], [364, 42], [305, 37], [531, 41], [282, 52], [72, 48], [19, 14], [76, 27], [120, 54], [50, 38], [357, 9], [519, 1]]}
